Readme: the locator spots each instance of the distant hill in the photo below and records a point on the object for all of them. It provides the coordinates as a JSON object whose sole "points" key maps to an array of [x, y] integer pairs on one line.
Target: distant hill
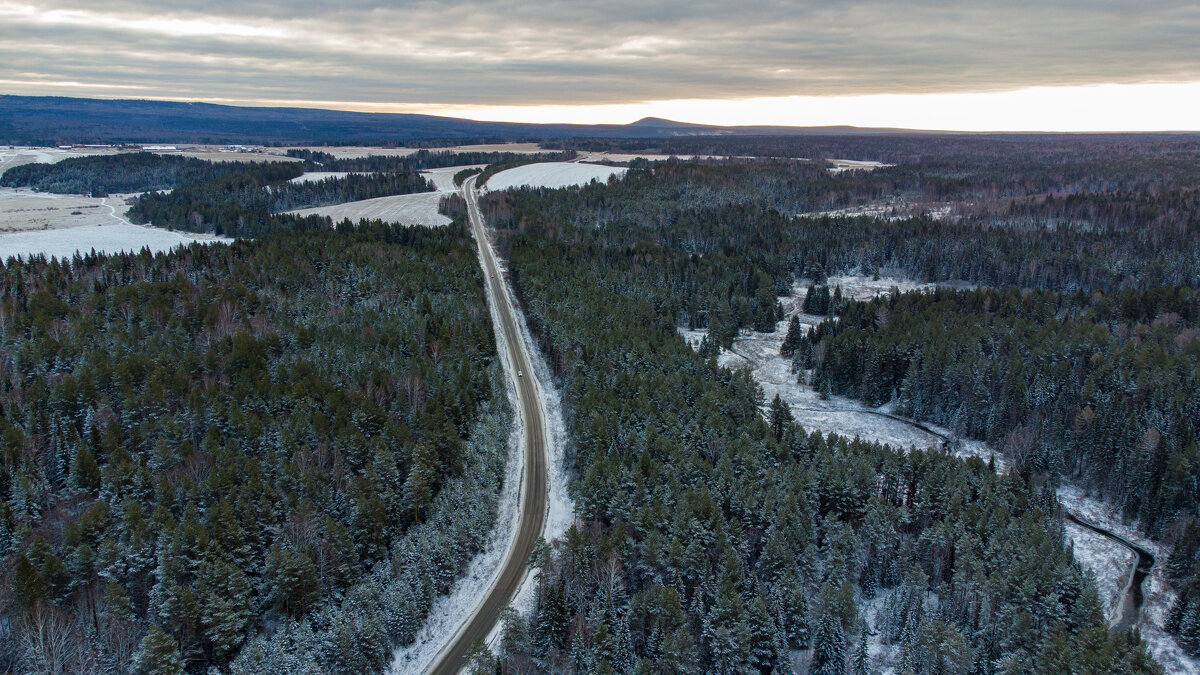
{"points": [[43, 120]]}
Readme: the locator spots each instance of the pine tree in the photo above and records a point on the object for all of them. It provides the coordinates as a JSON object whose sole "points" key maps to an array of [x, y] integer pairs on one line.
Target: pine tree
{"points": [[158, 654], [780, 417]]}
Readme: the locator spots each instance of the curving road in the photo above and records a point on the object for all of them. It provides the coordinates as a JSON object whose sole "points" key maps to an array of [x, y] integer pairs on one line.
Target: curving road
{"points": [[534, 488]]}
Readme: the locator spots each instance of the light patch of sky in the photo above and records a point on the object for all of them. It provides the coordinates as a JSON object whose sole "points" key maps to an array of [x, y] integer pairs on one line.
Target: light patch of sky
{"points": [[161, 25], [1107, 107]]}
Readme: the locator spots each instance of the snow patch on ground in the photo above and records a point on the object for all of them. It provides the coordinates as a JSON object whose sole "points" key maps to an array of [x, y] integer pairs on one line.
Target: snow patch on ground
{"points": [[552, 175], [759, 353]]}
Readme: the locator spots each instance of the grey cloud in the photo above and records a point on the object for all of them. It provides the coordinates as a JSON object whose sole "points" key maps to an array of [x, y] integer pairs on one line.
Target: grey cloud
{"points": [[599, 52]]}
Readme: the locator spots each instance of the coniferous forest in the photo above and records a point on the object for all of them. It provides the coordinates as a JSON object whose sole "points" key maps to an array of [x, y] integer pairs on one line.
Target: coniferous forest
{"points": [[295, 436]]}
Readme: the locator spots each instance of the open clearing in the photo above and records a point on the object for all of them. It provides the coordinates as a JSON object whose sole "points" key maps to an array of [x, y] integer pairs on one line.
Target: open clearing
{"points": [[840, 165], [34, 223], [16, 156], [22, 210], [415, 209], [64, 243], [552, 175], [314, 176]]}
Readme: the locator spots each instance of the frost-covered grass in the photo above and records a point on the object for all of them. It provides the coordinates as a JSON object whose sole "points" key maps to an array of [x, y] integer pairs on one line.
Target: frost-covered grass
{"points": [[412, 209], [552, 175], [102, 230], [314, 176], [443, 178]]}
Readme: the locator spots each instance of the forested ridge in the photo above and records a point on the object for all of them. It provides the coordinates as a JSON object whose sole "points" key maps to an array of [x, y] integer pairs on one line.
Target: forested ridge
{"points": [[711, 540], [297, 436]]}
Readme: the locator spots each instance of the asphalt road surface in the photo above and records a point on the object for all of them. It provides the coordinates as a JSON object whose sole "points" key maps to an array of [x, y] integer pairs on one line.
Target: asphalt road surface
{"points": [[534, 486]]}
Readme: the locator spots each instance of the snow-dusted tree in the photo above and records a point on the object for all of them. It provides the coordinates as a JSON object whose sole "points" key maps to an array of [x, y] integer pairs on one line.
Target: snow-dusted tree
{"points": [[158, 654]]}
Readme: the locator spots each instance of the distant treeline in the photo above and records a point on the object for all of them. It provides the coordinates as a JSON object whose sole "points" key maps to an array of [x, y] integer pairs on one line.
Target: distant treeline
{"points": [[420, 160], [246, 204], [125, 172]]}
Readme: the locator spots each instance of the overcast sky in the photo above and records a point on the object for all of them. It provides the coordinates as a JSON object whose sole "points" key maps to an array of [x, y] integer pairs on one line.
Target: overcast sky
{"points": [[604, 60]]}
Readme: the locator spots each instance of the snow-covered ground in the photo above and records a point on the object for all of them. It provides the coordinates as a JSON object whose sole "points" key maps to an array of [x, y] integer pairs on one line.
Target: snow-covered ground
{"points": [[314, 176], [759, 352], [18, 155], [414, 209], [552, 175], [1108, 561], [443, 178], [100, 228], [420, 208], [840, 165], [113, 238]]}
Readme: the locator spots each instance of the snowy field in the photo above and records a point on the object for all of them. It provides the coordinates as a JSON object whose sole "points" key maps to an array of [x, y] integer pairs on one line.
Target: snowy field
{"points": [[552, 175], [114, 238], [314, 176], [18, 155], [34, 223], [443, 178], [415, 209], [840, 165], [420, 208], [22, 209]]}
